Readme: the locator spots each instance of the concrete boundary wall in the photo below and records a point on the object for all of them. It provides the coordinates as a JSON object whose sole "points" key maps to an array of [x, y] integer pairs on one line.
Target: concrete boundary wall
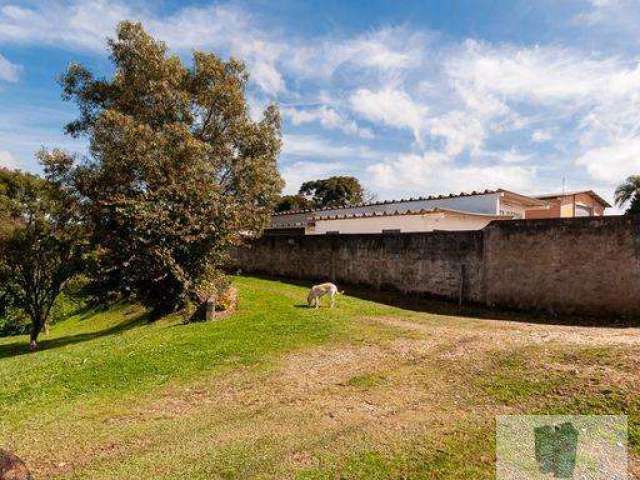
{"points": [[575, 266]]}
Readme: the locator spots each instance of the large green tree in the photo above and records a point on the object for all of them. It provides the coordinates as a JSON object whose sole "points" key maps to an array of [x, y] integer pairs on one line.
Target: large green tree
{"points": [[41, 244], [178, 172], [629, 193], [287, 203], [334, 191]]}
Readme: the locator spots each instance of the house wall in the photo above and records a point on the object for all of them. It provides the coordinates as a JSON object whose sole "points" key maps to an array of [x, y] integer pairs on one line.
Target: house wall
{"points": [[553, 211], [588, 200], [563, 207], [580, 266], [517, 211], [404, 223]]}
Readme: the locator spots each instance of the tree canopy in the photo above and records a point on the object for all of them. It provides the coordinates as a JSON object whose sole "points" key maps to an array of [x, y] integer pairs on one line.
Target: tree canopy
{"points": [[294, 202], [41, 244], [629, 193], [177, 171], [333, 191]]}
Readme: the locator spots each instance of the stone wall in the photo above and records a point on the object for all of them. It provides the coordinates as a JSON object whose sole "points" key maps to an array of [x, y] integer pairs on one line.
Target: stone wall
{"points": [[579, 265], [576, 265]]}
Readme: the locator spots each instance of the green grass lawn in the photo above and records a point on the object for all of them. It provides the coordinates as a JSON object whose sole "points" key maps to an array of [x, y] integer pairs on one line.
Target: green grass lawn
{"points": [[278, 390]]}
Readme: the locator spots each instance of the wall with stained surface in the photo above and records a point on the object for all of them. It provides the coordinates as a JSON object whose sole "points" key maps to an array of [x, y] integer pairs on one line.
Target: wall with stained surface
{"points": [[576, 265]]}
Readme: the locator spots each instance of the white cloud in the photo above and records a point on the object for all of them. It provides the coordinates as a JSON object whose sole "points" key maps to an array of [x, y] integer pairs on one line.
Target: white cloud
{"points": [[543, 75], [328, 118], [407, 170], [604, 3], [506, 157], [299, 172], [621, 14], [459, 100], [226, 28], [592, 100], [314, 146], [433, 172], [391, 107], [85, 25], [8, 71], [7, 160], [540, 136], [613, 163], [383, 50], [460, 131], [78, 24]]}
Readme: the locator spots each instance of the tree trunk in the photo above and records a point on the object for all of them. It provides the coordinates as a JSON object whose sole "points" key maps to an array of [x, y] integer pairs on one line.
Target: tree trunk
{"points": [[210, 308], [36, 327]]}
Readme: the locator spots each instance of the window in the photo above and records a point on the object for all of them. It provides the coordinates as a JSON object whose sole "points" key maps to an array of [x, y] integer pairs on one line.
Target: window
{"points": [[512, 213], [583, 211]]}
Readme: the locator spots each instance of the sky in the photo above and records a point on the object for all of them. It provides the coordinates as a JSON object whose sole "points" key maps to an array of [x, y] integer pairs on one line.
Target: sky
{"points": [[412, 97]]}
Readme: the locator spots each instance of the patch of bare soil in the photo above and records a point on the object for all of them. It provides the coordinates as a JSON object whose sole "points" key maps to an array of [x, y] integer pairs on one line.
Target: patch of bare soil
{"points": [[309, 403], [308, 397], [526, 333]]}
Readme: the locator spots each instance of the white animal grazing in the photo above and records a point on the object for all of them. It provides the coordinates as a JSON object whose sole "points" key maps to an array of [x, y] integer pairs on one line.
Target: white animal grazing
{"points": [[317, 291]]}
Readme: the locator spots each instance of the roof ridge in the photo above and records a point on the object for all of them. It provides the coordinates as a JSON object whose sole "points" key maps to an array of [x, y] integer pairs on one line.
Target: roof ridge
{"points": [[573, 192], [389, 202], [422, 211]]}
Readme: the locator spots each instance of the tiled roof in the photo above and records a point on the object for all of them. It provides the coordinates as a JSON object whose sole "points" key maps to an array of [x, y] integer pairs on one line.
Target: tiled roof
{"points": [[576, 192], [421, 211], [387, 202]]}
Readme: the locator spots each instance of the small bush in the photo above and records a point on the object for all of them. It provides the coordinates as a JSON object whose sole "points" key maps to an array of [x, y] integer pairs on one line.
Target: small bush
{"points": [[213, 284], [17, 322], [14, 322], [228, 300]]}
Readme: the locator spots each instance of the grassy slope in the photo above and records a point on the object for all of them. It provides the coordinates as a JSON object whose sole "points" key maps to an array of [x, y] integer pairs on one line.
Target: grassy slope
{"points": [[280, 391]]}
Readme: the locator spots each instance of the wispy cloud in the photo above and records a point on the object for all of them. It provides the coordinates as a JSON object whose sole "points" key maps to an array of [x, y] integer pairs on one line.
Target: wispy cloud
{"points": [[622, 14], [430, 171], [613, 162], [8, 161], [386, 50], [314, 146], [327, 117], [296, 173], [448, 113], [9, 72], [540, 136], [85, 25], [391, 107]]}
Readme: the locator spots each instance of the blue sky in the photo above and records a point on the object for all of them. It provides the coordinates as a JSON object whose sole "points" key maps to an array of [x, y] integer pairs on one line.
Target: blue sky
{"points": [[413, 98]]}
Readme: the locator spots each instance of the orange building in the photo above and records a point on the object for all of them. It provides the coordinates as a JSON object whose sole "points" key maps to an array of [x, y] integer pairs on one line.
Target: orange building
{"points": [[585, 203]]}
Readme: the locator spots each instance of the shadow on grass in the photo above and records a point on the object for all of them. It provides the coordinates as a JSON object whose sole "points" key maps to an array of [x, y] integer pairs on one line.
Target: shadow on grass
{"points": [[17, 348], [429, 304], [303, 305]]}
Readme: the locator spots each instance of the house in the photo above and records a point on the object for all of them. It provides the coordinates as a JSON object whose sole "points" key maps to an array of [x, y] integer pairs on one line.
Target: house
{"points": [[583, 203], [408, 221], [465, 211]]}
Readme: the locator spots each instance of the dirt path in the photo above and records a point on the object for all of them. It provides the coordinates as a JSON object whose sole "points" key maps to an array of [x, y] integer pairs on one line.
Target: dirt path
{"points": [[525, 333]]}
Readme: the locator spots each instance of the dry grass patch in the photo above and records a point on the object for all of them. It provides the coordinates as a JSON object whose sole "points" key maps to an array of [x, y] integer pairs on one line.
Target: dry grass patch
{"points": [[363, 391]]}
